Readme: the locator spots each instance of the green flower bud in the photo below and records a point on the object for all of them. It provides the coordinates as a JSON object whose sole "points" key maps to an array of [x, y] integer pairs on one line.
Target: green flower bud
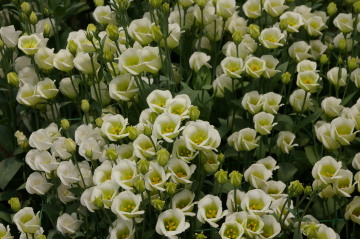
{"points": [[12, 79], [148, 131], [89, 153], [140, 186], [113, 32], [1, 44], [285, 77], [85, 106], [221, 158], [323, 59], [200, 3], [352, 63], [133, 132], [72, 47], [340, 60], [42, 237], [166, 8], [331, 9], [200, 236], [91, 28], [108, 56], [47, 29], [356, 6], [235, 178], [143, 166], [171, 188], [65, 124], [153, 116], [295, 188], [308, 190], [155, 3], [342, 44], [111, 154], [70, 145], [15, 204], [99, 3], [221, 176], [99, 121], [24, 17], [25, 8], [284, 24], [162, 157], [311, 230], [98, 203], [156, 33], [33, 18], [194, 112], [254, 31], [158, 204], [237, 37]]}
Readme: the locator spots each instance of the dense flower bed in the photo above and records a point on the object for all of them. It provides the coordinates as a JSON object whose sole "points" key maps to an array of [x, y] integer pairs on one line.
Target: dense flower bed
{"points": [[179, 119]]}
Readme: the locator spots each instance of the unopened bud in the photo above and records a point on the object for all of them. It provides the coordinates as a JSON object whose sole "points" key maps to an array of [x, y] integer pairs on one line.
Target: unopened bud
{"points": [[147, 131], [1, 44], [152, 117], [342, 44], [89, 154], [221, 158], [340, 60], [308, 190], [47, 29], [91, 28], [85, 106], [166, 8], [99, 3], [235, 178], [98, 203], [324, 59], [221, 176], [99, 121], [33, 18], [331, 9], [352, 63], [158, 204], [111, 154], [113, 32], [162, 157], [15, 204], [65, 124], [284, 24], [200, 236], [72, 47], [295, 188], [200, 3], [254, 31], [70, 145], [171, 188], [156, 33], [133, 132], [108, 56], [237, 37], [12, 79], [155, 3], [194, 113], [25, 8], [356, 6], [42, 237], [286, 77], [143, 166], [140, 186]]}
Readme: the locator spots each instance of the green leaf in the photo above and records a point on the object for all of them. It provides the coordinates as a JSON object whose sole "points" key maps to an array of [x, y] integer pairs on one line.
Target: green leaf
{"points": [[6, 138], [284, 123], [310, 154], [4, 196], [148, 234], [349, 97], [312, 117], [5, 216], [9, 168], [286, 171], [203, 77], [207, 87]]}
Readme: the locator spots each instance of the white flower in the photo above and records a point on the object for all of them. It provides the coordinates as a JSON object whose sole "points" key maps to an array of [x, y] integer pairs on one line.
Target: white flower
{"points": [[294, 21], [63, 61], [308, 81], [271, 37], [156, 177], [86, 64], [344, 185], [317, 49], [144, 147], [344, 22], [199, 59], [27, 95], [257, 175], [306, 65], [256, 201], [100, 93], [171, 223], [314, 25], [210, 210], [126, 205], [271, 102], [64, 194], [200, 135], [114, 127], [231, 229], [299, 50], [85, 199], [180, 171], [274, 189], [232, 66], [298, 102], [150, 58], [285, 141], [37, 184], [69, 87], [44, 58], [264, 122], [355, 77], [167, 127], [157, 100], [179, 105], [236, 23], [40, 140], [9, 36], [252, 102], [270, 62], [46, 88], [326, 169], [183, 200], [86, 131], [331, 106], [343, 130], [26, 220], [104, 15], [337, 78], [104, 194], [68, 173], [125, 174], [281, 208], [326, 135], [58, 149], [252, 8], [243, 140], [46, 162], [225, 8], [221, 83], [356, 162], [352, 210], [275, 7], [90, 149], [255, 66], [122, 229], [102, 173], [5, 232], [271, 228], [28, 75], [68, 224], [232, 204], [180, 151], [173, 40], [31, 44], [140, 31]]}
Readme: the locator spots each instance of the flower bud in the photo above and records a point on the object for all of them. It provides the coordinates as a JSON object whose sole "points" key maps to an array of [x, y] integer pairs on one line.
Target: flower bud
{"points": [[342, 44], [171, 188], [237, 37], [113, 32], [194, 113], [1, 44], [111, 154], [15, 204], [352, 63], [153, 116], [12, 79], [254, 31], [162, 157], [221, 176], [70, 145], [147, 131], [221, 158], [356, 6], [108, 56], [99, 3], [133, 133], [200, 3], [42, 237], [285, 77], [47, 29], [156, 33], [72, 47], [284, 24], [91, 28], [308, 190], [323, 59], [140, 186], [33, 18], [85, 106], [200, 236], [99, 121], [166, 8], [143, 166], [340, 61], [158, 204], [235, 178], [332, 9], [89, 154], [26, 8], [65, 124], [155, 3], [98, 202], [295, 188]]}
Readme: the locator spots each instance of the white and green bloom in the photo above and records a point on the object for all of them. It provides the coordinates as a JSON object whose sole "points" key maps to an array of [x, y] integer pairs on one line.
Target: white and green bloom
{"points": [[343, 130], [264, 123], [271, 227], [167, 126], [123, 87], [184, 200], [5, 232], [210, 210], [326, 170], [104, 194], [140, 31], [171, 223], [157, 100], [255, 66], [114, 127], [26, 221], [68, 224], [180, 151], [231, 229], [126, 205], [37, 184], [232, 66], [275, 7], [200, 135], [125, 174], [123, 229], [344, 185], [257, 175], [144, 147], [256, 201], [271, 37], [156, 177], [179, 105], [252, 102], [31, 44], [46, 88], [180, 171], [102, 173], [285, 141]]}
